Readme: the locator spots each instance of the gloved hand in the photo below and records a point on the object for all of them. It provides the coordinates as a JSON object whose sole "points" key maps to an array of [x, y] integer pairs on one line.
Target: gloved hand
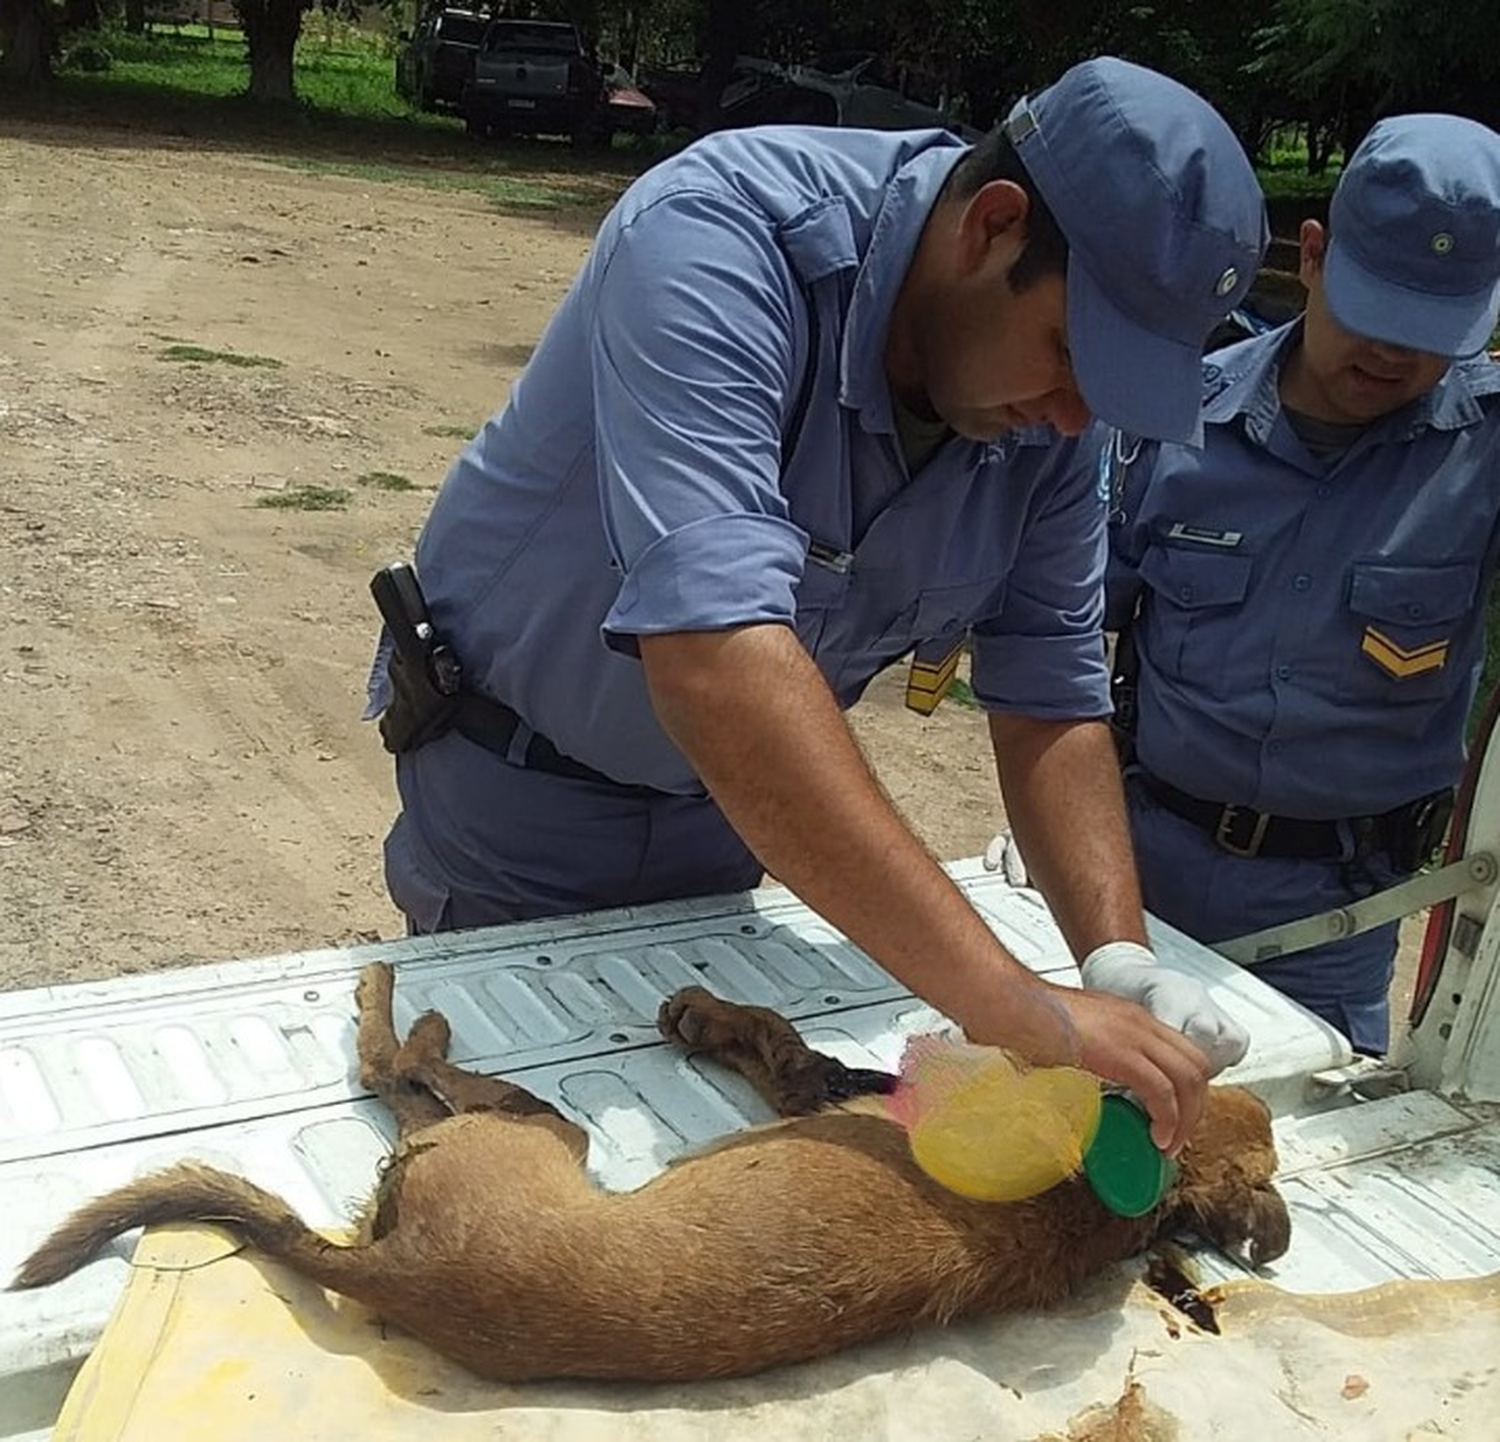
{"points": [[1127, 969], [1003, 854]]}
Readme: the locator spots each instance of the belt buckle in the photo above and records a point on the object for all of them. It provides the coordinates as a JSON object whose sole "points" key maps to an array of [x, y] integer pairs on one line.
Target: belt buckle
{"points": [[1226, 841]]}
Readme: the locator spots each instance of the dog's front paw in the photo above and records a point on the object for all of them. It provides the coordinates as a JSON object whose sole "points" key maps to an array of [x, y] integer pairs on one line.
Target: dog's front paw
{"points": [[692, 1017]]}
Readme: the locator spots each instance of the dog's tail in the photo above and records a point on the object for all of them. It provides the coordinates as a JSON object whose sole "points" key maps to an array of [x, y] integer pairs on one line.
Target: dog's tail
{"points": [[190, 1193]]}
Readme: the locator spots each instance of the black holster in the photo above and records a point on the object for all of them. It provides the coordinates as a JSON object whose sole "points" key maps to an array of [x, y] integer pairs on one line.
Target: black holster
{"points": [[418, 712], [1415, 831], [424, 673], [1122, 693]]}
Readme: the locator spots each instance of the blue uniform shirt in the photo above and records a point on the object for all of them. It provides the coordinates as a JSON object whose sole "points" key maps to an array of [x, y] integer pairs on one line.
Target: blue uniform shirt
{"points": [[635, 482], [1309, 634]]}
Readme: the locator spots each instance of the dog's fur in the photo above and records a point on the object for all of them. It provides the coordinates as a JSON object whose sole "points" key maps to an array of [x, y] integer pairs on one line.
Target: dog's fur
{"points": [[486, 1240]]}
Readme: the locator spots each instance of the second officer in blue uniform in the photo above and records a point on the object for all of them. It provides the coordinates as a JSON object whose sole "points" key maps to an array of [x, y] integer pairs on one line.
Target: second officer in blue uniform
{"points": [[1306, 594]]}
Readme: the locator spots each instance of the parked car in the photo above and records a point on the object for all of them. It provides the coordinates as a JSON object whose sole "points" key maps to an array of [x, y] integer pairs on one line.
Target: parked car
{"points": [[628, 109], [844, 90], [435, 61], [535, 77], [677, 91], [807, 95]]}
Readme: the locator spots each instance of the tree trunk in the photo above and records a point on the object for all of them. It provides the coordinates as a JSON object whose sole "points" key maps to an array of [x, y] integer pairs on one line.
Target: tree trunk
{"points": [[26, 41], [726, 27], [80, 15], [271, 29], [135, 17]]}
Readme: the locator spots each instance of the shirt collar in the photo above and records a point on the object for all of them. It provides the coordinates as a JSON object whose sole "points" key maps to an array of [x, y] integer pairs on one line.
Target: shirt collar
{"points": [[1243, 379], [1459, 399], [907, 203]]}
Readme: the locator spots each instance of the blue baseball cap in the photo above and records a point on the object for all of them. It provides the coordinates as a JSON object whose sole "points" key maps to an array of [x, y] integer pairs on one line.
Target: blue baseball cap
{"points": [[1165, 225], [1414, 236]]}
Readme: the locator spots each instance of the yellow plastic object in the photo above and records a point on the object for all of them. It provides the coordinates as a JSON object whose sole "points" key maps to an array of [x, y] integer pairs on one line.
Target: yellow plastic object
{"points": [[988, 1127]]}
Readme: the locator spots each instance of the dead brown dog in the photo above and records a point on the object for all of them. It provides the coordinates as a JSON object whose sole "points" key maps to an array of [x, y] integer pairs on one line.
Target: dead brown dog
{"points": [[486, 1239]]}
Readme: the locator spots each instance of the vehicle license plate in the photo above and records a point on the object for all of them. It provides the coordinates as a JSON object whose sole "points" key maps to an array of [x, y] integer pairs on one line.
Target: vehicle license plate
{"points": [[521, 104]]}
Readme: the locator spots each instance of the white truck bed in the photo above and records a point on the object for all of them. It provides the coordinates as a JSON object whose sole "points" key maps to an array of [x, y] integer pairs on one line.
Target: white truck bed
{"points": [[249, 1065]]}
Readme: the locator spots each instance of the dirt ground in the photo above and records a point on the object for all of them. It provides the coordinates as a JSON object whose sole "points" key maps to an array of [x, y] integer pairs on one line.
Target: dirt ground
{"points": [[185, 776]]}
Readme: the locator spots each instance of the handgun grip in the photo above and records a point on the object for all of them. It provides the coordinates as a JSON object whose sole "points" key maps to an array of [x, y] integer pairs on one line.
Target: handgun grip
{"points": [[404, 610]]}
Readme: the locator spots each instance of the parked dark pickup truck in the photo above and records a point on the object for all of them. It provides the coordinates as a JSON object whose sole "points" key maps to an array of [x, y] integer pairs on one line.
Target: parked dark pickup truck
{"points": [[534, 77], [435, 62]]}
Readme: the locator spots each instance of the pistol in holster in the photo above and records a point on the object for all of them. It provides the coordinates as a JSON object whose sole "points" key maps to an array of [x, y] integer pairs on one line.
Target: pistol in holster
{"points": [[426, 678]]}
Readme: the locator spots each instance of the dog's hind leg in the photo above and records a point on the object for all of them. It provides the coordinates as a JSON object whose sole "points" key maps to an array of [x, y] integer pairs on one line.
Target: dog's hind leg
{"points": [[413, 1106], [422, 1062], [765, 1049]]}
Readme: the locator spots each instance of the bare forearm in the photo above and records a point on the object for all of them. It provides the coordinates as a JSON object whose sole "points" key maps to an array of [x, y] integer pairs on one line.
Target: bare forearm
{"points": [[751, 711], [1066, 808]]}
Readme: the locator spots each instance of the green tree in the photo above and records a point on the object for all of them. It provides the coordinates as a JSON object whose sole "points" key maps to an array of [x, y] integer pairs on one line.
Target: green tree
{"points": [[1342, 64]]}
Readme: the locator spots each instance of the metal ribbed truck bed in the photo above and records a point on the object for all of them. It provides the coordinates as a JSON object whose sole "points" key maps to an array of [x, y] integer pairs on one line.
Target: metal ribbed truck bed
{"points": [[250, 1065]]}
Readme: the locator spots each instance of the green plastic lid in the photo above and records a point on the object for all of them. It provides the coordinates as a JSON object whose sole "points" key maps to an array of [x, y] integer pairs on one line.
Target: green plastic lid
{"points": [[1127, 1172]]}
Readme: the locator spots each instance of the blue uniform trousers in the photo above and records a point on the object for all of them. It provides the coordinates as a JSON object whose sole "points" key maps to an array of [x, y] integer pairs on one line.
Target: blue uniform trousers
{"points": [[1191, 883], [550, 845]]}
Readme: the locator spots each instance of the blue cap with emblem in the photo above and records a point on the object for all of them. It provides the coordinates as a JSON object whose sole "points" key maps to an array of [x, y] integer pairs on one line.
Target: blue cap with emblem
{"points": [[1414, 235], [1165, 225]]}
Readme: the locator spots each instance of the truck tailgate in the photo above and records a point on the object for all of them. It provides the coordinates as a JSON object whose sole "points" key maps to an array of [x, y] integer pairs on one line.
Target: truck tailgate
{"points": [[249, 1065]]}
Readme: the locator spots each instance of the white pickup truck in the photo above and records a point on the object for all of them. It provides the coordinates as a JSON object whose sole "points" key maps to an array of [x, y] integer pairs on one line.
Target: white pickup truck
{"points": [[1382, 1321]]}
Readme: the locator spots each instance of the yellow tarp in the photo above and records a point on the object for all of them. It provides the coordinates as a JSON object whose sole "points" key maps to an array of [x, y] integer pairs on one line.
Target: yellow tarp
{"points": [[208, 1343]]}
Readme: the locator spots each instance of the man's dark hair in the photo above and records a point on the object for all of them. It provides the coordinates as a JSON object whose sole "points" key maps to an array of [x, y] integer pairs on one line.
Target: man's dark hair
{"points": [[995, 158]]}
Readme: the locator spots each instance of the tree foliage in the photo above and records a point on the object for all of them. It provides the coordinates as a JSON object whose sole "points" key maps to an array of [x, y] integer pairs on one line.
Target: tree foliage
{"points": [[1328, 67]]}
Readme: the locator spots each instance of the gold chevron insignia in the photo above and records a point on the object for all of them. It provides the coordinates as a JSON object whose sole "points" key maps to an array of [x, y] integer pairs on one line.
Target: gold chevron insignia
{"points": [[927, 682], [1400, 662]]}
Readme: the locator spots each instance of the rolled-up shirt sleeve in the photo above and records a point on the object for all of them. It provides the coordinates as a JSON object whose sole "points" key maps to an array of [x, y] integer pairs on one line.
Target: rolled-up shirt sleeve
{"points": [[698, 342], [1042, 654]]}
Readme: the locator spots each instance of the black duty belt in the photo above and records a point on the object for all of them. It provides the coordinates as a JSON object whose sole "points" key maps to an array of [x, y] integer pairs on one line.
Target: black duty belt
{"points": [[493, 725], [1409, 832]]}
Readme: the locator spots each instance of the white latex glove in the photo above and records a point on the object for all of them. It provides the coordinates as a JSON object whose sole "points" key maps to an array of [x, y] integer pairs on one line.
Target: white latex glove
{"points": [[1004, 855], [1127, 969]]}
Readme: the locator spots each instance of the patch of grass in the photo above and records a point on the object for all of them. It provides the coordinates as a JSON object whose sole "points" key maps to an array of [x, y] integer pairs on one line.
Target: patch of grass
{"points": [[200, 355], [457, 433], [346, 120], [1290, 183], [504, 191], [962, 694], [1489, 675], [387, 481], [307, 498]]}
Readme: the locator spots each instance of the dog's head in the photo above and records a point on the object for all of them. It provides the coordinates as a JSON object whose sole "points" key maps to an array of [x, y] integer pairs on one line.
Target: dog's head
{"points": [[1223, 1189]]}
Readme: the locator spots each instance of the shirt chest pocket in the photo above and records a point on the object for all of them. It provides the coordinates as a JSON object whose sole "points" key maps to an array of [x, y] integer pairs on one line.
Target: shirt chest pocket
{"points": [[1406, 624], [1194, 604]]}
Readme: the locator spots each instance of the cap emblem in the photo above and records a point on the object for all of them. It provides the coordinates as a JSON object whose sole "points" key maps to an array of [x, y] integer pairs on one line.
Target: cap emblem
{"points": [[1227, 281], [1442, 243]]}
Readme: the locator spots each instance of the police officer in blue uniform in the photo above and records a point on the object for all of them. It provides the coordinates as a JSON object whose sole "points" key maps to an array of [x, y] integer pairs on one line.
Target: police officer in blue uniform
{"points": [[800, 413], [1306, 594]]}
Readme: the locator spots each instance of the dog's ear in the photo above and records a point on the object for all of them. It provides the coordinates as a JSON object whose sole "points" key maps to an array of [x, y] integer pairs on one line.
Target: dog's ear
{"points": [[1234, 1214], [1224, 1191]]}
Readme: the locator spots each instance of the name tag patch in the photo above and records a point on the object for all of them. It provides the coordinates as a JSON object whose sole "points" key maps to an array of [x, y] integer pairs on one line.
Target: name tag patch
{"points": [[1204, 536]]}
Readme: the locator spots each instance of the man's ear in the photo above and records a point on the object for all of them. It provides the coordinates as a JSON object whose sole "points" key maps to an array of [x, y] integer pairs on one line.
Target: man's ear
{"points": [[992, 227], [1312, 247]]}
